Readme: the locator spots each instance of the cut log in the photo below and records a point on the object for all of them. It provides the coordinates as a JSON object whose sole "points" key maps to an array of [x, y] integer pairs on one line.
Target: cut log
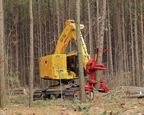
{"points": [[130, 90], [134, 96], [17, 91]]}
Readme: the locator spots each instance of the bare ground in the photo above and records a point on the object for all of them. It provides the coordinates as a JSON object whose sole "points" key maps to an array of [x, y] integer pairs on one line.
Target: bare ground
{"points": [[102, 104]]}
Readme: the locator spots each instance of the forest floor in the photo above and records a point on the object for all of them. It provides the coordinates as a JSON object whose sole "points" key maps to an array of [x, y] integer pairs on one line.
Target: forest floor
{"points": [[102, 104]]}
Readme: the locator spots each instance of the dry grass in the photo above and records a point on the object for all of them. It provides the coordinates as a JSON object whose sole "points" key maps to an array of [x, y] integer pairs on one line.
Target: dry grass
{"points": [[102, 104]]}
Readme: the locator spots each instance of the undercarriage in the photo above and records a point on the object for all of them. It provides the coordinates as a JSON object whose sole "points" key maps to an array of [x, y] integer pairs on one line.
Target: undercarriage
{"points": [[64, 91]]}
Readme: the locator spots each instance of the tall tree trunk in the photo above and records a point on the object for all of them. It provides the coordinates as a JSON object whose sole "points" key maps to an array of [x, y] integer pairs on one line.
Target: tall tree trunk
{"points": [[90, 30], [97, 14], [101, 39], [69, 15], [2, 77], [23, 64], [16, 42], [40, 36], [123, 36], [136, 45], [119, 36], [110, 44], [81, 72], [31, 56], [132, 45], [27, 55], [142, 38], [115, 34], [58, 16]]}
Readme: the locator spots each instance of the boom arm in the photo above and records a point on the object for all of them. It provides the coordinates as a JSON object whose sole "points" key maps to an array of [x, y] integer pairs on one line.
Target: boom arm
{"points": [[55, 66], [70, 33], [65, 37]]}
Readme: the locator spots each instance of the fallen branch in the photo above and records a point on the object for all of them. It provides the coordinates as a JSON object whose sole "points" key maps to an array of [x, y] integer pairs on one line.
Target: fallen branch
{"points": [[17, 91], [134, 96], [131, 90]]}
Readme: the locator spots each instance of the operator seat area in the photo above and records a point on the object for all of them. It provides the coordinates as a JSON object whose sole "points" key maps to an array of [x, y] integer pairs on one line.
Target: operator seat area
{"points": [[72, 64]]}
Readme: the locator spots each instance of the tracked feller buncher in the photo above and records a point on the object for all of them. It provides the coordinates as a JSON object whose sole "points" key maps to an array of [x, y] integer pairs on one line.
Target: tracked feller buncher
{"points": [[63, 68]]}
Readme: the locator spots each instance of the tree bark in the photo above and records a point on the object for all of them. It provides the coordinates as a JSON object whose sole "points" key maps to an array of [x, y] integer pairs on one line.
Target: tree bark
{"points": [[31, 56], [136, 46], [101, 39], [97, 27], [110, 45], [142, 37], [58, 17], [132, 45], [2, 77], [119, 63], [123, 36], [90, 30], [81, 71]]}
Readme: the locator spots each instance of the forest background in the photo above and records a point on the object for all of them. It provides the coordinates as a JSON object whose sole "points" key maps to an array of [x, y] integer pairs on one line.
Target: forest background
{"points": [[123, 36]]}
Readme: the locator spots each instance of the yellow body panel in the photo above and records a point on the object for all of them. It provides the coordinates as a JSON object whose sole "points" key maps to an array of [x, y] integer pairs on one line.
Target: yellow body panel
{"points": [[55, 67]]}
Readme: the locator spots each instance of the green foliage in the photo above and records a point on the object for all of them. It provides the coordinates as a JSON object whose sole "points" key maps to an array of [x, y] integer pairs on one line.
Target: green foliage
{"points": [[111, 103], [20, 2], [120, 79], [53, 97], [104, 113], [114, 96], [13, 80], [110, 113], [19, 99], [77, 106], [17, 113], [43, 103]]}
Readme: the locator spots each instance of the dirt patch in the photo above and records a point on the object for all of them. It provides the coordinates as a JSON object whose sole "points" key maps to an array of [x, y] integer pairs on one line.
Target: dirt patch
{"points": [[102, 104], [24, 110]]}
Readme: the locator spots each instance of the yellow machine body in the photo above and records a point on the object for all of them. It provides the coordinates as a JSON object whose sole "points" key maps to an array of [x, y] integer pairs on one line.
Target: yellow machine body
{"points": [[57, 65]]}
